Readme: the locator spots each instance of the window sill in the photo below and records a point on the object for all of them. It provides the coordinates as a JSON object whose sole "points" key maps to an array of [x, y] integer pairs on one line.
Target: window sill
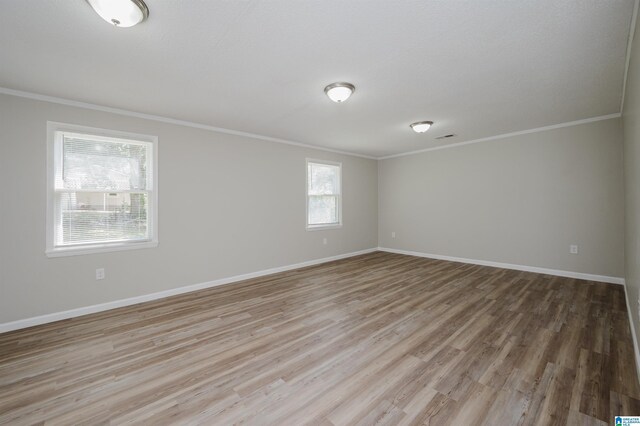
{"points": [[100, 248], [323, 227]]}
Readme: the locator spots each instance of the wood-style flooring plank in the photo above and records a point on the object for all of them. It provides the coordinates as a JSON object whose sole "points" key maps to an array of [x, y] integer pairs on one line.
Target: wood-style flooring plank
{"points": [[375, 339]]}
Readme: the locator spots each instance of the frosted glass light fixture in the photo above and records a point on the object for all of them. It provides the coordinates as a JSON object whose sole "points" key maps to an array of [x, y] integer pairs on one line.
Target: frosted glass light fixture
{"points": [[339, 92], [121, 13], [421, 126]]}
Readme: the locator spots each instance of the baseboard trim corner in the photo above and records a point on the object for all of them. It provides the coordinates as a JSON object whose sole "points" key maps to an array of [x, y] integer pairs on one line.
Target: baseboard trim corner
{"points": [[556, 272], [636, 349], [72, 313]]}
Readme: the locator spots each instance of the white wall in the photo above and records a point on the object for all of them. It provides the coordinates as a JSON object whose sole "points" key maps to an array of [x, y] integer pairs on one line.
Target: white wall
{"points": [[229, 205], [520, 200], [631, 120]]}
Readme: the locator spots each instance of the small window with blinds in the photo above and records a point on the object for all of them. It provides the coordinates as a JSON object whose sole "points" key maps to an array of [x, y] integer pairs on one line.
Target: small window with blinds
{"points": [[324, 199], [102, 190]]}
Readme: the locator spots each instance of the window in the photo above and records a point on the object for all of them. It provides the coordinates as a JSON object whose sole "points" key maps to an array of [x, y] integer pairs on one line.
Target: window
{"points": [[324, 200], [102, 190]]}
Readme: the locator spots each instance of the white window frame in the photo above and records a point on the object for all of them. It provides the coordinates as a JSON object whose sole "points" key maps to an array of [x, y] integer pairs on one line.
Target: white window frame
{"points": [[320, 227], [54, 161]]}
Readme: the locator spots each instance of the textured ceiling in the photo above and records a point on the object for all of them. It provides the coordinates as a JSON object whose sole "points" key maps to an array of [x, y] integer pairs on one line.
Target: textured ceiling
{"points": [[476, 68]]}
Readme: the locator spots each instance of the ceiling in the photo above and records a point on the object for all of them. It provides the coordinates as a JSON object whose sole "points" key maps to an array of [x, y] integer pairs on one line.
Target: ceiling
{"points": [[476, 68]]}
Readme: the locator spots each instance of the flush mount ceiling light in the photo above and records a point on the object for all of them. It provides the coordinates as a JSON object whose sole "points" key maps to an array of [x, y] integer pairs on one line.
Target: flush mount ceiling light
{"points": [[339, 92], [421, 126], [121, 13]]}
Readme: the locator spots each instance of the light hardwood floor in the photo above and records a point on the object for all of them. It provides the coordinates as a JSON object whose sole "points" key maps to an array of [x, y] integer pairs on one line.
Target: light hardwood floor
{"points": [[378, 338]]}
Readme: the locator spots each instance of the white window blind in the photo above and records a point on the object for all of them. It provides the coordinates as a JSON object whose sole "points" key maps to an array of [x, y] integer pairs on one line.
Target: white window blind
{"points": [[323, 194], [103, 191]]}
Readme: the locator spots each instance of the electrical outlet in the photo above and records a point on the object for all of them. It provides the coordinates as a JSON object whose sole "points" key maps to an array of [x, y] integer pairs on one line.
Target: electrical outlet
{"points": [[573, 249], [393, 234], [100, 274], [324, 241]]}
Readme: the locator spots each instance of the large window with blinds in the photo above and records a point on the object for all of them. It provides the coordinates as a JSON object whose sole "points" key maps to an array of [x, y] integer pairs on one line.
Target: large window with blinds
{"points": [[102, 190], [324, 194]]}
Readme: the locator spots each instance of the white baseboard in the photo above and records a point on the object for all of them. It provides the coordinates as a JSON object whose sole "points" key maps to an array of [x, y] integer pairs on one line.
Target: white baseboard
{"points": [[57, 316], [636, 350], [559, 273]]}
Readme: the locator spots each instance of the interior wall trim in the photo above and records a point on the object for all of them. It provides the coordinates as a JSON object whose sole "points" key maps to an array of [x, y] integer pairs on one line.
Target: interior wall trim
{"points": [[72, 313], [119, 111], [632, 32], [507, 135], [86, 105], [538, 270], [578, 275], [636, 350]]}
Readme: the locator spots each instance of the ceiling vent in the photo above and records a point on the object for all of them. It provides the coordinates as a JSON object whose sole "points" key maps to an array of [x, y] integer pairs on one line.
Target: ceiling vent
{"points": [[450, 135]]}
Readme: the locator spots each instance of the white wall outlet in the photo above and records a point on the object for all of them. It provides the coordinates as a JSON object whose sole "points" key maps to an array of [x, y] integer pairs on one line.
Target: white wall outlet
{"points": [[573, 249], [393, 234], [324, 241], [100, 274]]}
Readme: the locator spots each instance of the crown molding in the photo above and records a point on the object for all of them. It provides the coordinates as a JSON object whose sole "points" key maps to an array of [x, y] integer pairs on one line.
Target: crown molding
{"points": [[507, 135], [632, 31], [78, 104]]}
